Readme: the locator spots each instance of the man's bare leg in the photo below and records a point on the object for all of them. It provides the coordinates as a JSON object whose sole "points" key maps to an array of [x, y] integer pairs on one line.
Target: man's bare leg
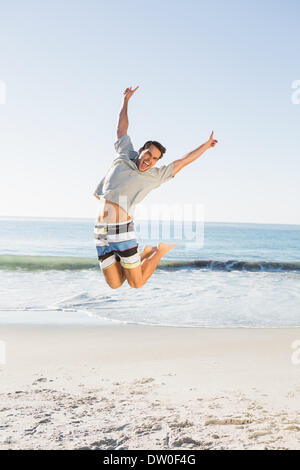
{"points": [[149, 265], [114, 275], [137, 277]]}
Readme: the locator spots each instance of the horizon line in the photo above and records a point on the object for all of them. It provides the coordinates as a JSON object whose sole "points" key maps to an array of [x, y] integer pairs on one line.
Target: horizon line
{"points": [[141, 220]]}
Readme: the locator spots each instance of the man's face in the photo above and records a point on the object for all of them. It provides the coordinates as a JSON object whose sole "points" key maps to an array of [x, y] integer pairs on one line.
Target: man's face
{"points": [[147, 158]]}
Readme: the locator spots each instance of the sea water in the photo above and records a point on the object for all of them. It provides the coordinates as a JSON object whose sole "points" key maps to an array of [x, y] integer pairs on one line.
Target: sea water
{"points": [[219, 275]]}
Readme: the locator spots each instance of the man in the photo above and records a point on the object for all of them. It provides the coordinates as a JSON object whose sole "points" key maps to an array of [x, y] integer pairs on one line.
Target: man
{"points": [[131, 177]]}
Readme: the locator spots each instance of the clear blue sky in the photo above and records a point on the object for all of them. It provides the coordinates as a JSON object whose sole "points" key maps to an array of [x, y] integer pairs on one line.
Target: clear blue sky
{"points": [[226, 66]]}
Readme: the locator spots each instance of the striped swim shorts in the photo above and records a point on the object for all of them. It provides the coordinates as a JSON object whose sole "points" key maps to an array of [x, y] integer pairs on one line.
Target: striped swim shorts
{"points": [[117, 243]]}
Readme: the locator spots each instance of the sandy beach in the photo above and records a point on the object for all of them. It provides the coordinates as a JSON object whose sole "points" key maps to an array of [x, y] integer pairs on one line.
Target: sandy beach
{"points": [[142, 387]]}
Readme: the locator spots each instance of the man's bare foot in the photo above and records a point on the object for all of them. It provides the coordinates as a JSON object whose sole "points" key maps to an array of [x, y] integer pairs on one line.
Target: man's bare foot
{"points": [[165, 247]]}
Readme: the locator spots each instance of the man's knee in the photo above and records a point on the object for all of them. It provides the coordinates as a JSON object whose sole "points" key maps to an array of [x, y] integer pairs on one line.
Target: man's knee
{"points": [[135, 284], [114, 285], [134, 276]]}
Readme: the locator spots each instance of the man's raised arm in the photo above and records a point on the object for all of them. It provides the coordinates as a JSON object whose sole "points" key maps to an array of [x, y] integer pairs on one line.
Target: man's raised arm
{"points": [[193, 155], [123, 117]]}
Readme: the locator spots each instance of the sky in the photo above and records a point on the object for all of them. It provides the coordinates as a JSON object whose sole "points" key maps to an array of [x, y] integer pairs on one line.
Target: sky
{"points": [[200, 66]]}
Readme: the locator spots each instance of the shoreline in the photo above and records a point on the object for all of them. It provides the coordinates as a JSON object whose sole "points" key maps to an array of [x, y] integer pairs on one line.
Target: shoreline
{"points": [[59, 318]]}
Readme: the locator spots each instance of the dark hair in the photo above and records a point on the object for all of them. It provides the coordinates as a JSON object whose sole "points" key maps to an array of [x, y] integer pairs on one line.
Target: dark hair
{"points": [[157, 144]]}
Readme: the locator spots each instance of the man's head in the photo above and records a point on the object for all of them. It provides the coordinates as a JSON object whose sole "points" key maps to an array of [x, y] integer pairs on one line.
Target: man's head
{"points": [[149, 154]]}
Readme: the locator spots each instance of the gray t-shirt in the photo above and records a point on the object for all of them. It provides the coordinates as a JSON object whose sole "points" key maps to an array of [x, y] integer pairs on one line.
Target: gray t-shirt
{"points": [[124, 184]]}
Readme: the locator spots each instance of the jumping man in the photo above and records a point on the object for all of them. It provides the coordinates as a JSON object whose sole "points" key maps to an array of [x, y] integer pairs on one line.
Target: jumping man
{"points": [[131, 177]]}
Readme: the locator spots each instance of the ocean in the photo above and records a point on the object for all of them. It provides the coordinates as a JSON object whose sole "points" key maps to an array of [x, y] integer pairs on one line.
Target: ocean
{"points": [[220, 275]]}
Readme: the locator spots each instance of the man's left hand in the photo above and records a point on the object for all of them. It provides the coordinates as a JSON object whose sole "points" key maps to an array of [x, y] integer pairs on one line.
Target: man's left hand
{"points": [[211, 141]]}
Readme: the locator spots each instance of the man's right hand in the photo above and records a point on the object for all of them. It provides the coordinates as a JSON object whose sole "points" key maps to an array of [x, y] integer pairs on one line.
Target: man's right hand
{"points": [[128, 93]]}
